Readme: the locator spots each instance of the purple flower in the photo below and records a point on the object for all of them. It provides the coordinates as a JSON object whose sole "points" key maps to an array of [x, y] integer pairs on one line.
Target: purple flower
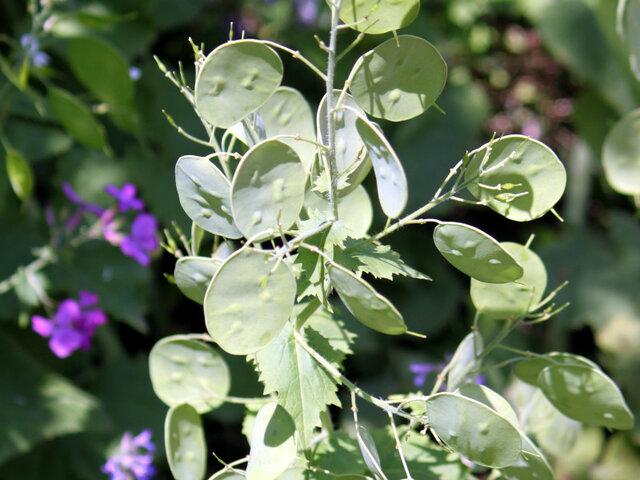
{"points": [[142, 239], [126, 197], [134, 458], [421, 370], [30, 43], [307, 11], [84, 206], [72, 326]]}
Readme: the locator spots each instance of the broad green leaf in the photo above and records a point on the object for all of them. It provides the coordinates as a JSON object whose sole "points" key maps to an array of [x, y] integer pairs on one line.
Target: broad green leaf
{"points": [[364, 303], [324, 328], [399, 80], [228, 475], [368, 450], [464, 359], [267, 189], [379, 16], [273, 446], [351, 155], [491, 399], [354, 210], [554, 431], [248, 302], [236, 79], [20, 174], [621, 154], [193, 275], [585, 394], [287, 113], [516, 176], [184, 443], [204, 192], [377, 259], [628, 23], [531, 465], [76, 118], [184, 369], [37, 405], [100, 68], [304, 387], [529, 369], [474, 430], [513, 299], [390, 178], [475, 253]]}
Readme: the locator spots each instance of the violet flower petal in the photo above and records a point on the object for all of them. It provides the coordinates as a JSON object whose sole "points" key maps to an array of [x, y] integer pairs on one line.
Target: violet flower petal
{"points": [[42, 326], [65, 341]]}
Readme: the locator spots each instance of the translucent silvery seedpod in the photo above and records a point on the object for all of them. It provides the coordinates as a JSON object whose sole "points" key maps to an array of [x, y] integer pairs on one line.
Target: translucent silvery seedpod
{"points": [[184, 443], [399, 79], [516, 176], [375, 16], [621, 154], [236, 79], [352, 161]]}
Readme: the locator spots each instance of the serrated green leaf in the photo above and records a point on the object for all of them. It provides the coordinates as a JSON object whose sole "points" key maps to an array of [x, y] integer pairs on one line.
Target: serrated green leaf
{"points": [[327, 333], [273, 445], [379, 260], [185, 369], [304, 388], [354, 209], [184, 442], [20, 174]]}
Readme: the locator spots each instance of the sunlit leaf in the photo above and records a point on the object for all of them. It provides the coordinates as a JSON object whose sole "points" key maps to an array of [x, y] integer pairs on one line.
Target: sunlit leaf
{"points": [[204, 192], [585, 394], [248, 302], [273, 445], [379, 16], [391, 181], [20, 174], [365, 304], [529, 369], [512, 299], [267, 189], [516, 176], [474, 430], [184, 443], [236, 79], [475, 253], [184, 369], [399, 80], [621, 154]]}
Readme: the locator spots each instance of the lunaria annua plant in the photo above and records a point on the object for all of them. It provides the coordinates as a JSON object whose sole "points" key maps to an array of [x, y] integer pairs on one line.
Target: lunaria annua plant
{"points": [[281, 193]]}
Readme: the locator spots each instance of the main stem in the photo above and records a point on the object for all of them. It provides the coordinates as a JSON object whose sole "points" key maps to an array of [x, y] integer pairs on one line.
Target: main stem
{"points": [[331, 124]]}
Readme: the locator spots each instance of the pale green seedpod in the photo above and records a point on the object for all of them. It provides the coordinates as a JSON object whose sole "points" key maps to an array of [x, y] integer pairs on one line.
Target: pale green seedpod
{"points": [[354, 210], [267, 191], [475, 253], [393, 191], [352, 161], [273, 445], [399, 79], [518, 177], [248, 302], [369, 450], [204, 193], [20, 173], [100, 68], [287, 113], [193, 274], [512, 299], [621, 154], [236, 79], [464, 359], [76, 118], [491, 399], [529, 369], [364, 303], [379, 16], [184, 443], [585, 394], [474, 430], [228, 475], [185, 369]]}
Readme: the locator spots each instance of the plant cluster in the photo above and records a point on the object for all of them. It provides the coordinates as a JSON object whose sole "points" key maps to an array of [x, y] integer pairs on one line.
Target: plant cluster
{"points": [[280, 193]]}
